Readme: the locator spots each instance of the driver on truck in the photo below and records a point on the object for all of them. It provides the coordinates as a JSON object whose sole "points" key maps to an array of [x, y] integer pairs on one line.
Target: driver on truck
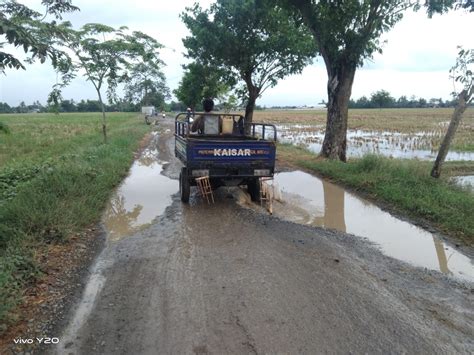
{"points": [[207, 124]]}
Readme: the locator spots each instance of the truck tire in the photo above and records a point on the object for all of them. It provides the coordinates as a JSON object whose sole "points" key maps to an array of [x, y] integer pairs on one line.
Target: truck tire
{"points": [[253, 188], [184, 186]]}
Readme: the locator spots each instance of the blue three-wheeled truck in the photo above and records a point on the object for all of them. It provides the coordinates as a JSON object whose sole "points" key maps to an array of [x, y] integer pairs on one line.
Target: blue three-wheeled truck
{"points": [[223, 152]]}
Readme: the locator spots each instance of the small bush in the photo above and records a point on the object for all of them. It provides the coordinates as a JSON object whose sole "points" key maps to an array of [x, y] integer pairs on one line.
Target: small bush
{"points": [[4, 128]]}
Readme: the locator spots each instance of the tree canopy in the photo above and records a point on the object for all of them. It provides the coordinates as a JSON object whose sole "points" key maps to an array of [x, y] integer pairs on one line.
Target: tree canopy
{"points": [[200, 81], [146, 84], [29, 29], [251, 41]]}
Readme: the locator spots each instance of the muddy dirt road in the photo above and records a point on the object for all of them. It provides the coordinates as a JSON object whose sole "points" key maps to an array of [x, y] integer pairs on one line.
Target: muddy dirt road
{"points": [[223, 278]]}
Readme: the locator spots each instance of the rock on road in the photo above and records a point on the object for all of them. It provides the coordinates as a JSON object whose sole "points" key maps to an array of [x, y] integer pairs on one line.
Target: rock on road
{"points": [[223, 279]]}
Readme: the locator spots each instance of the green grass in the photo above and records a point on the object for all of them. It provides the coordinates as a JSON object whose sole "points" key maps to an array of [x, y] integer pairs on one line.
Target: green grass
{"points": [[405, 185], [55, 179]]}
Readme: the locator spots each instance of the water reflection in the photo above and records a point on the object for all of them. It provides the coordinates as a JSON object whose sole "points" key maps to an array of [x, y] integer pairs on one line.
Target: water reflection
{"points": [[143, 196], [442, 259], [334, 207], [312, 201], [118, 219]]}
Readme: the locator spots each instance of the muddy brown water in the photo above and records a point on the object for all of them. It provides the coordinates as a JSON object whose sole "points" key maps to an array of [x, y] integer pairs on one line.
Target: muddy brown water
{"points": [[313, 201], [419, 145], [142, 196]]}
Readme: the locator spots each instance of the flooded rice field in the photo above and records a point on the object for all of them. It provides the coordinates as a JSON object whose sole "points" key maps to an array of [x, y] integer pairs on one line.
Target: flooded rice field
{"points": [[142, 196], [309, 200], [419, 145]]}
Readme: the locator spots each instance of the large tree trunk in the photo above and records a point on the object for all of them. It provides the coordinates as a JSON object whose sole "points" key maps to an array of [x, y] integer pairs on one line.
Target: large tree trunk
{"points": [[339, 93], [461, 106], [250, 107], [104, 121]]}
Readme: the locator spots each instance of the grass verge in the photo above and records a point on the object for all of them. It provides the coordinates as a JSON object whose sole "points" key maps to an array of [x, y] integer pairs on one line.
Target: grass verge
{"points": [[53, 185], [405, 185]]}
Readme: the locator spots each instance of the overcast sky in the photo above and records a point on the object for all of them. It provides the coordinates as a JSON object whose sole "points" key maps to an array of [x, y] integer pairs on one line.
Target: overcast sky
{"points": [[416, 58]]}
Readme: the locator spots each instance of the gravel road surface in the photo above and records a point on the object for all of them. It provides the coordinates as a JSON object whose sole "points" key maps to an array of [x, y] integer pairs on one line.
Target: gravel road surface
{"points": [[222, 278]]}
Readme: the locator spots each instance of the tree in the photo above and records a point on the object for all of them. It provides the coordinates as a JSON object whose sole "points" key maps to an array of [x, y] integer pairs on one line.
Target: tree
{"points": [[22, 108], [68, 106], [422, 103], [89, 106], [5, 108], [435, 102], [176, 106], [402, 102], [364, 102], [107, 61], [346, 32], [461, 72], [124, 105], [36, 107], [146, 84], [382, 98], [252, 41], [231, 103], [200, 81]]}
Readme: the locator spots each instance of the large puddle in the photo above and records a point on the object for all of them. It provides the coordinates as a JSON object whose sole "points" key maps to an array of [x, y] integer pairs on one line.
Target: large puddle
{"points": [[312, 201], [142, 196], [419, 145]]}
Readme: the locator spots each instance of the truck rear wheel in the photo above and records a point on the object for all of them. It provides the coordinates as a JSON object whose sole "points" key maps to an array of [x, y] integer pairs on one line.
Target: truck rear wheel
{"points": [[253, 188], [184, 186]]}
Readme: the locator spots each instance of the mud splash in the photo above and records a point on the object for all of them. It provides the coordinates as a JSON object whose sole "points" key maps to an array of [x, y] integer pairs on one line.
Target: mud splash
{"points": [[312, 201], [419, 145], [142, 196]]}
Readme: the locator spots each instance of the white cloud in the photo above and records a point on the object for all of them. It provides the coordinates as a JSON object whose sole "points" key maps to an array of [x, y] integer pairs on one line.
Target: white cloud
{"points": [[421, 44]]}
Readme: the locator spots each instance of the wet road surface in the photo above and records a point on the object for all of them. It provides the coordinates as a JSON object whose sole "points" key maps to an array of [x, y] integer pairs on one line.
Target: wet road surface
{"points": [[222, 278]]}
